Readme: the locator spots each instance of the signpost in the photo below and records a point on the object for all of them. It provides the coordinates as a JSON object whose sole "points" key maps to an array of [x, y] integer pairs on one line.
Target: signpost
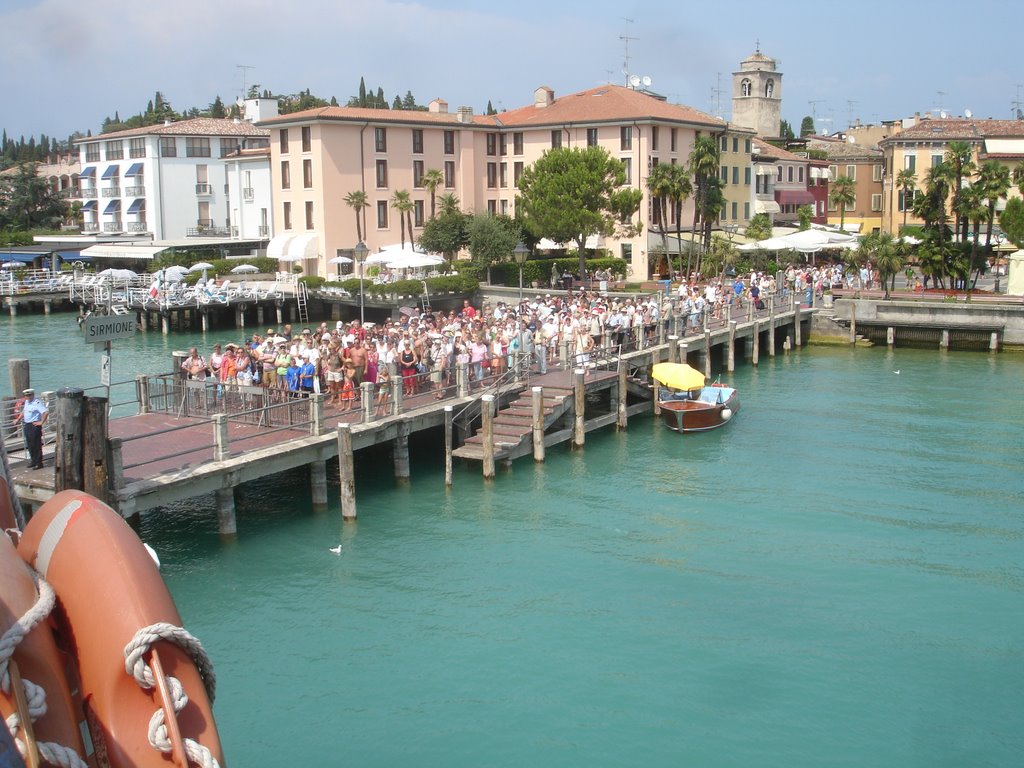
{"points": [[100, 330]]}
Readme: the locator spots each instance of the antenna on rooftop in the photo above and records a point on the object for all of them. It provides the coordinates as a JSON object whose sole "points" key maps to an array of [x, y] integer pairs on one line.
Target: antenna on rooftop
{"points": [[850, 104], [1016, 105], [625, 39], [716, 95], [814, 109], [940, 109], [245, 73]]}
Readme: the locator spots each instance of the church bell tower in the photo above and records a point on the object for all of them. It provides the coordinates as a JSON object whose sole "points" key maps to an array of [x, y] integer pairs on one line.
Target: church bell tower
{"points": [[757, 95]]}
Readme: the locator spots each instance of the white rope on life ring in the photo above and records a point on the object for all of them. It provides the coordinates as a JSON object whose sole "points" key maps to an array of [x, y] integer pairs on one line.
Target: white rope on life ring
{"points": [[136, 666], [55, 754]]}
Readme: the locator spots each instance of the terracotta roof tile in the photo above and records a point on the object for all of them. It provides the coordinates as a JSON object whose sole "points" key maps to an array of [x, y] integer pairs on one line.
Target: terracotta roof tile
{"points": [[957, 129], [844, 150], [769, 150], [362, 114], [199, 126]]}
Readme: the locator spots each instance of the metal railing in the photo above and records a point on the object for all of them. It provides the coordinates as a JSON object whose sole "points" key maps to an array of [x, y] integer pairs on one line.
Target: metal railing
{"points": [[138, 190], [111, 192]]}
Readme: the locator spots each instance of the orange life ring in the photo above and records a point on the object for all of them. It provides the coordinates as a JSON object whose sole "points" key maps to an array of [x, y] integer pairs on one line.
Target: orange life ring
{"points": [[37, 656], [109, 588]]}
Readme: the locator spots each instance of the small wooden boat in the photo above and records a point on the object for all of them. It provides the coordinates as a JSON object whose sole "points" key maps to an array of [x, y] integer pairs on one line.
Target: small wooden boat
{"points": [[692, 405], [111, 679]]}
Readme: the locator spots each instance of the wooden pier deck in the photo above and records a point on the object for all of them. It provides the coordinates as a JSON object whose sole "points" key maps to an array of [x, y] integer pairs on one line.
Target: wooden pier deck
{"points": [[165, 456]]}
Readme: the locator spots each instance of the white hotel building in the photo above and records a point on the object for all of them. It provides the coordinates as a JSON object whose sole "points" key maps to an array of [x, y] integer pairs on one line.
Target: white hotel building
{"points": [[175, 180]]}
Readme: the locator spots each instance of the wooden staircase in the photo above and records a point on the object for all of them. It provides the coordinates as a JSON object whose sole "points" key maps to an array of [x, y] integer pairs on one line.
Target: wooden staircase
{"points": [[513, 425]]}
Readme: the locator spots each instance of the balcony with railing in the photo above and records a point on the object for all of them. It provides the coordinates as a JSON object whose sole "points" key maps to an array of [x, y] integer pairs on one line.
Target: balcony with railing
{"points": [[113, 226], [248, 193], [138, 226], [90, 226], [205, 228], [111, 191], [136, 191], [264, 231], [202, 188], [87, 193]]}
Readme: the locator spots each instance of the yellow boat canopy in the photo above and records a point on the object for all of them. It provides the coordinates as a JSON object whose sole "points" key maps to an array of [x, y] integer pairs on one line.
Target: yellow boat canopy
{"points": [[678, 375]]}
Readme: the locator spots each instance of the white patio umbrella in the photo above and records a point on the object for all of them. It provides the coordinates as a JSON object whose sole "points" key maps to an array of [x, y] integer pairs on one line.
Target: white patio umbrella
{"points": [[414, 261], [340, 260], [118, 274], [200, 266], [12, 265], [242, 269]]}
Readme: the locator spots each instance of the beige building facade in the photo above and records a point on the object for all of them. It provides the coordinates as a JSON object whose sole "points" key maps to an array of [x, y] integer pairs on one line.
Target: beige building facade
{"points": [[319, 156]]}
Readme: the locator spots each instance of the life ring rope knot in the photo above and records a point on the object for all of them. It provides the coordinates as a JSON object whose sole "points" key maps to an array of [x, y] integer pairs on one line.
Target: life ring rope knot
{"points": [[136, 666]]}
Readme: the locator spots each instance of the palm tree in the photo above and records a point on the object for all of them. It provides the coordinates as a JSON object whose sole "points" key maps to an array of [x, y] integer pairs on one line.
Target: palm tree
{"points": [[994, 183], [449, 202], [1018, 176], [930, 207], [358, 202], [680, 188], [841, 195], [887, 253], [658, 187], [711, 211], [974, 210], [401, 201], [958, 158], [431, 180], [704, 161], [906, 180]]}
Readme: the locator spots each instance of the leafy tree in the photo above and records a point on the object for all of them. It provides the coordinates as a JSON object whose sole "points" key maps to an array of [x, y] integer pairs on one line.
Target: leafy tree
{"points": [[679, 190], [409, 101], [786, 130], [906, 180], [570, 194], [841, 195], [807, 126], [397, 103], [432, 179], [805, 214], [492, 238], [490, 109], [27, 202], [217, 108], [445, 233], [1018, 176], [760, 227], [711, 211], [381, 102], [994, 183], [362, 93], [401, 201], [1011, 221], [358, 201]]}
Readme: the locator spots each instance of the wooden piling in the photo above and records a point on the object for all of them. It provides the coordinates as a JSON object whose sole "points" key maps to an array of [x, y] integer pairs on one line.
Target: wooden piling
{"points": [[318, 484], [853, 322], [346, 472], [771, 331], [537, 414], [579, 403], [656, 400], [890, 336], [684, 352], [221, 449], [944, 339], [68, 450], [756, 346], [366, 388], [487, 434], [18, 372], [397, 393], [95, 458], [142, 393], [316, 414], [401, 451], [448, 439], [993, 342], [707, 353], [621, 415], [165, 323], [797, 326], [673, 349], [730, 363], [226, 523]]}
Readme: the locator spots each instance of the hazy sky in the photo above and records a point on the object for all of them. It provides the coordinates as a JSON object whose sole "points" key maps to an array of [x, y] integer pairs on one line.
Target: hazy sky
{"points": [[67, 64]]}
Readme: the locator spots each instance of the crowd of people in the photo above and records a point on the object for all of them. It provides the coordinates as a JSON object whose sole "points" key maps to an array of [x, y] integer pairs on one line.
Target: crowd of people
{"points": [[421, 352]]}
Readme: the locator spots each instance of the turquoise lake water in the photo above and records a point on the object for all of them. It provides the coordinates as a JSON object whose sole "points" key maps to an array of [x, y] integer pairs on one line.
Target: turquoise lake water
{"points": [[836, 578]]}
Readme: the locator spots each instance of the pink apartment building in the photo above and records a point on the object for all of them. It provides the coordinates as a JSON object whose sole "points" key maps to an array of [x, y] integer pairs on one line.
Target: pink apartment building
{"points": [[318, 156]]}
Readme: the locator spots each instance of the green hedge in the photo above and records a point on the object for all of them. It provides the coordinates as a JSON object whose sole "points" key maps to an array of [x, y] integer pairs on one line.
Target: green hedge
{"points": [[435, 285], [507, 273]]}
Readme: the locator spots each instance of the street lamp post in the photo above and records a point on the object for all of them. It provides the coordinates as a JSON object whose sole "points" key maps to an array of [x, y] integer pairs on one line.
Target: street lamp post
{"points": [[360, 252], [519, 253]]}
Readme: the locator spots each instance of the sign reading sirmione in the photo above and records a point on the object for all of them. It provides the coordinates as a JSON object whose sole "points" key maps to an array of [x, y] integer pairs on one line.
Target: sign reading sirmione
{"points": [[103, 328]]}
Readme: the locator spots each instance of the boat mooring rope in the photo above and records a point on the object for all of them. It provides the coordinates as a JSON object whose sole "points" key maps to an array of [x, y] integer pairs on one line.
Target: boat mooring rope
{"points": [[136, 666], [52, 753]]}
